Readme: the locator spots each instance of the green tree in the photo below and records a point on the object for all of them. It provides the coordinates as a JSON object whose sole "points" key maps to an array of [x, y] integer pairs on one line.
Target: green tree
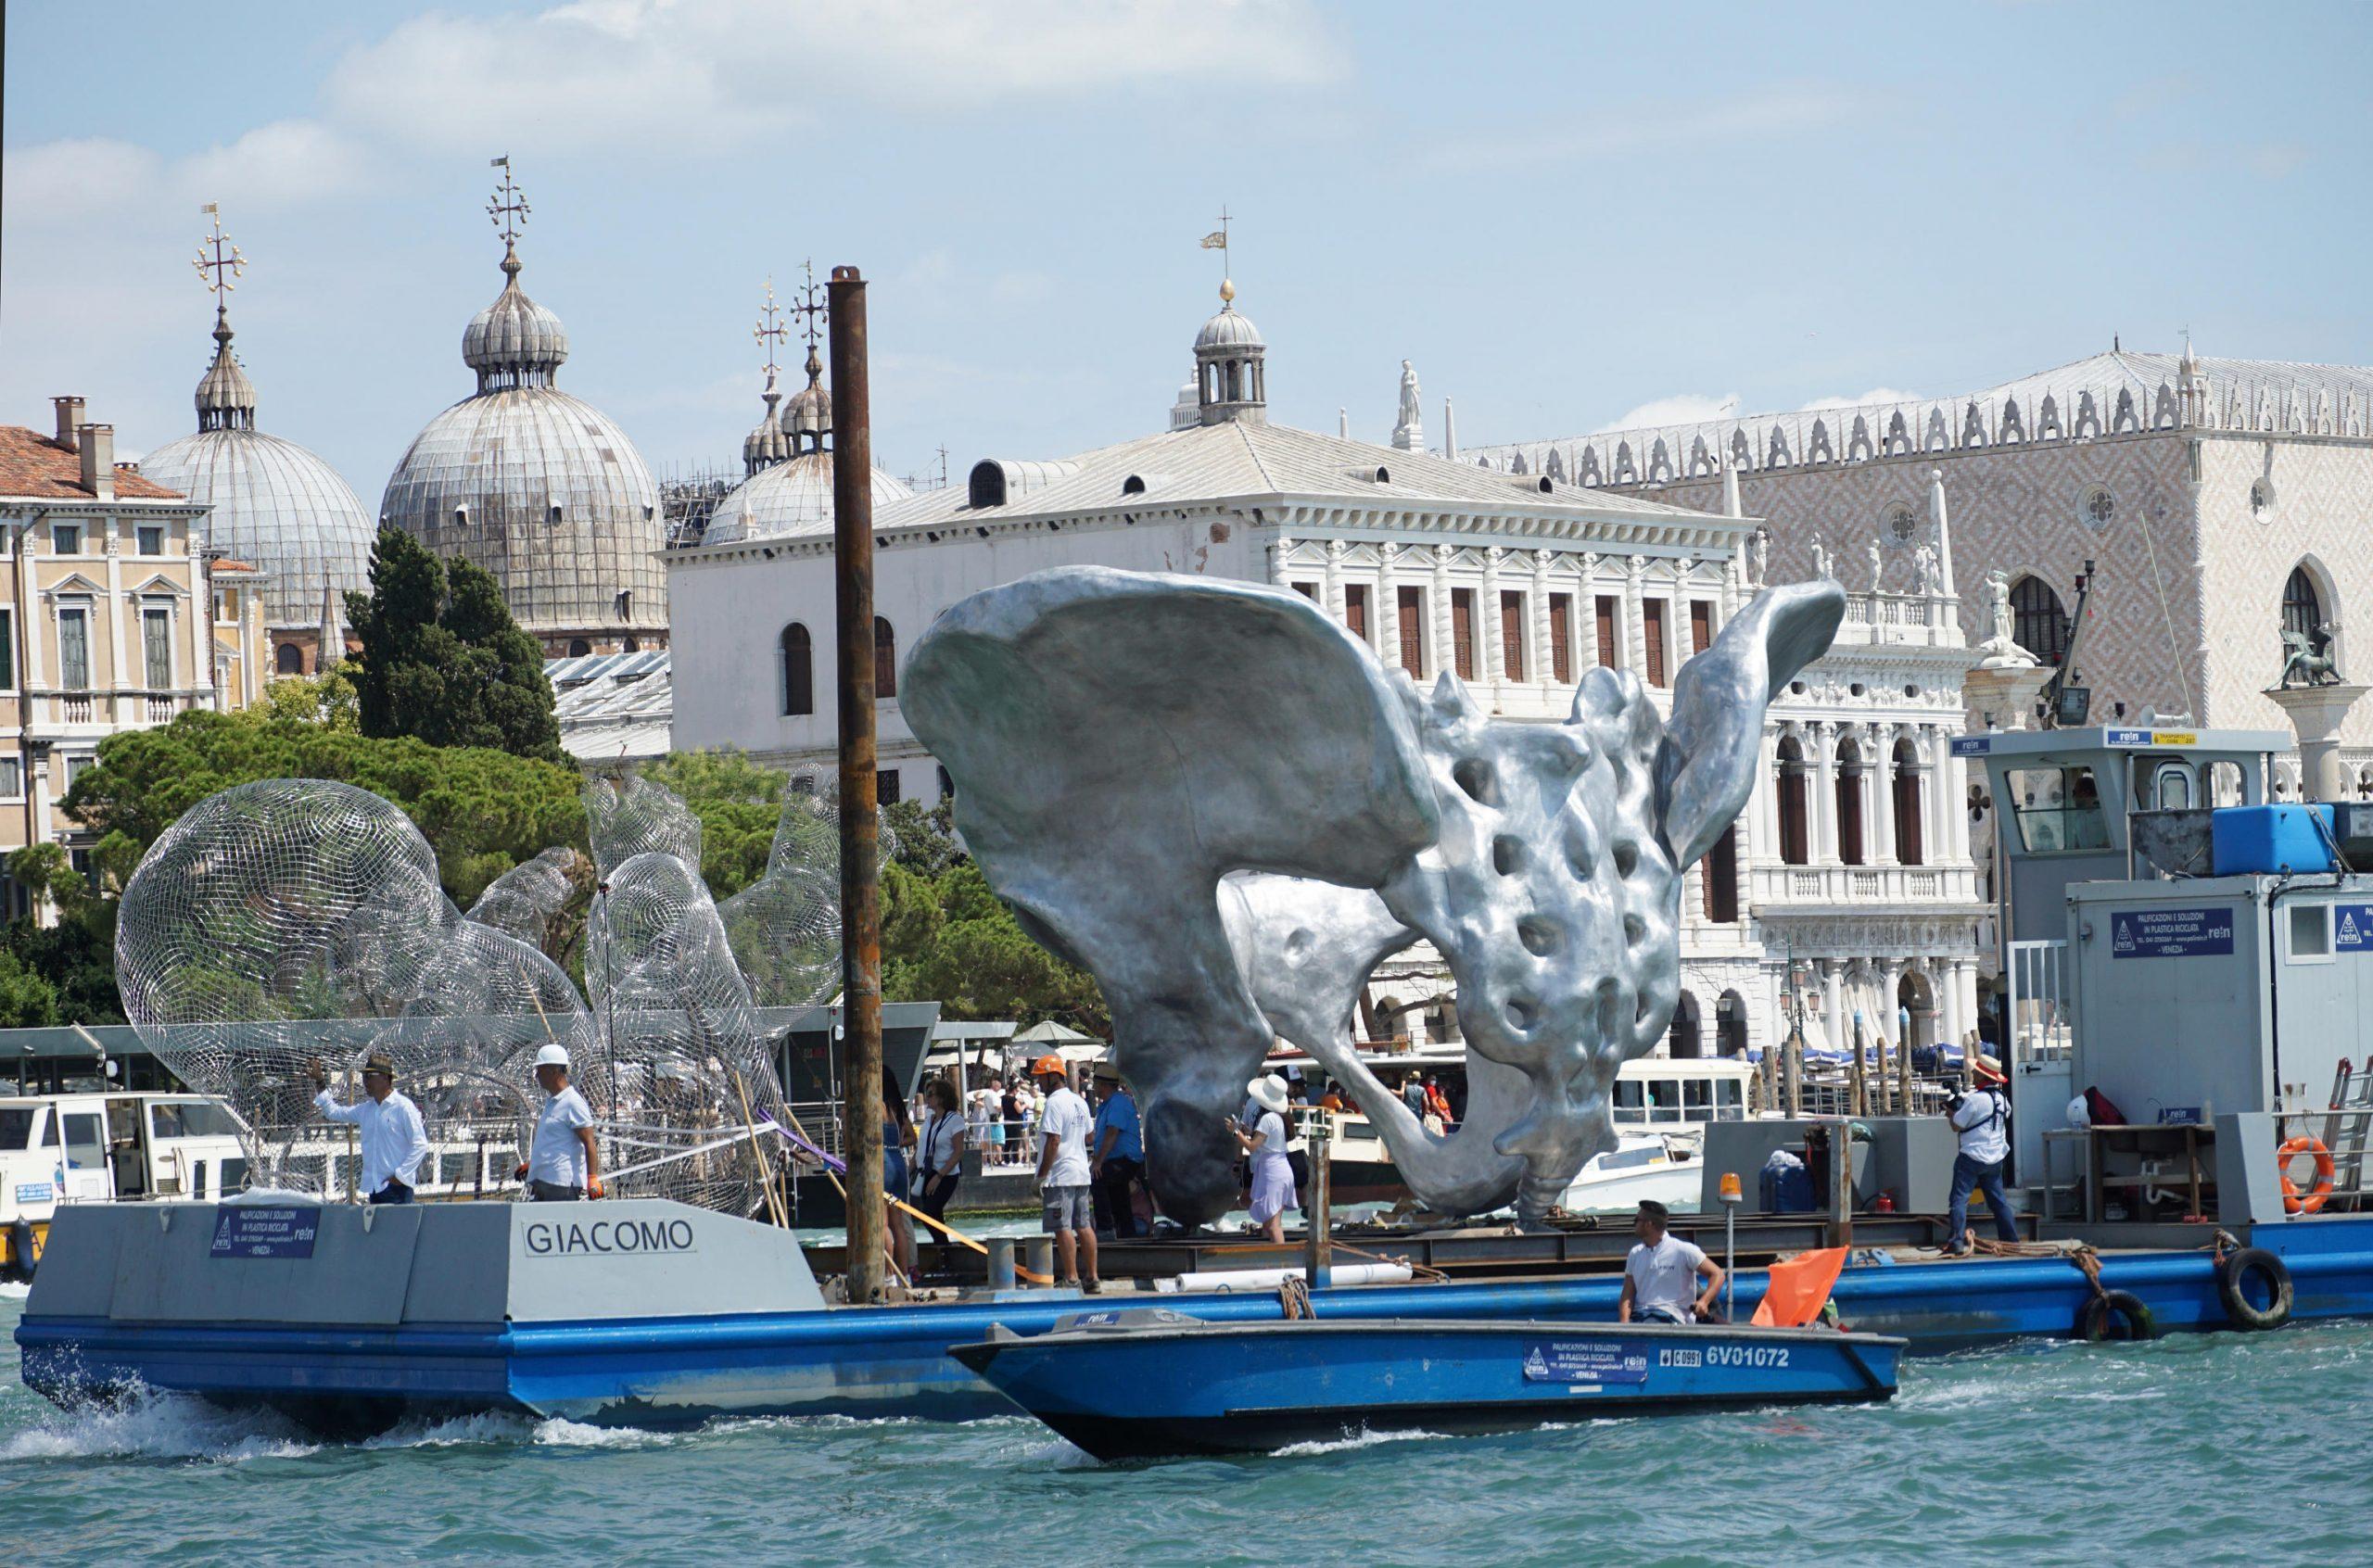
{"points": [[442, 660], [27, 1000], [948, 939]]}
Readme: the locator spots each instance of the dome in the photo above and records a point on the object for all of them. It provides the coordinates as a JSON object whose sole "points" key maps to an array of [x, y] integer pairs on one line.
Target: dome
{"points": [[276, 506], [515, 341], [766, 446], [544, 491], [1228, 330], [808, 415], [792, 499]]}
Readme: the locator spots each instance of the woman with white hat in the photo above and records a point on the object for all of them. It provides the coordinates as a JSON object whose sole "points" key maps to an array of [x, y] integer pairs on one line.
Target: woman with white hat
{"points": [[1272, 1177]]}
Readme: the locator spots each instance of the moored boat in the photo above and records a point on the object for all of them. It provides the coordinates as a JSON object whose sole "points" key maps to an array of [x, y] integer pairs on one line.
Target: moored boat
{"points": [[1147, 1383]]}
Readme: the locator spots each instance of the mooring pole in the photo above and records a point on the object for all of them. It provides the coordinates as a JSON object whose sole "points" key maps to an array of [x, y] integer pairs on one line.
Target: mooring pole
{"points": [[860, 825], [1319, 1266]]}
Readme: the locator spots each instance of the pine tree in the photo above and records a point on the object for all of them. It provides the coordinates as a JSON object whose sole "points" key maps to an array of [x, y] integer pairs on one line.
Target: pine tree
{"points": [[442, 659]]}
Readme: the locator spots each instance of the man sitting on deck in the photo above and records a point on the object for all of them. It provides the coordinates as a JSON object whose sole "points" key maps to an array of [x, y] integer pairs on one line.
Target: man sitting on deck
{"points": [[1660, 1272], [394, 1139]]}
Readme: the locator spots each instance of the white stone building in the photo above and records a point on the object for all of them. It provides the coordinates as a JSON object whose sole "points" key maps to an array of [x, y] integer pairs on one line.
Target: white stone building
{"points": [[1515, 585]]}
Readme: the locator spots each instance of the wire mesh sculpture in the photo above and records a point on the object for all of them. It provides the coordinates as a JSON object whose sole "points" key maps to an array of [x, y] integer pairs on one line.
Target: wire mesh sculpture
{"points": [[282, 923], [785, 928]]}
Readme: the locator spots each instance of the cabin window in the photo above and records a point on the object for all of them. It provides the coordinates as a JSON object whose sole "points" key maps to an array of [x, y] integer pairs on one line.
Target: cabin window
{"points": [[2311, 933], [2058, 810], [86, 1143], [16, 1124]]}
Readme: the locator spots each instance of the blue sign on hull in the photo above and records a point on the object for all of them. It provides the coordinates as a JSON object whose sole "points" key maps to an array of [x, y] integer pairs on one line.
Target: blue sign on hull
{"points": [[242, 1232], [2170, 933]]}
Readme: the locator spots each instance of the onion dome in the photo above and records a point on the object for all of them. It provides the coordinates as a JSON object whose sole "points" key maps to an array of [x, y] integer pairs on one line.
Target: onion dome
{"points": [[766, 445], [226, 399], [807, 418], [515, 341]]}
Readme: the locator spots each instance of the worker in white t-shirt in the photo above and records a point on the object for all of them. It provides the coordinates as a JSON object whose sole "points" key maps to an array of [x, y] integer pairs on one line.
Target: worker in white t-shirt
{"points": [[1065, 1189], [565, 1161], [1661, 1275], [1981, 1117]]}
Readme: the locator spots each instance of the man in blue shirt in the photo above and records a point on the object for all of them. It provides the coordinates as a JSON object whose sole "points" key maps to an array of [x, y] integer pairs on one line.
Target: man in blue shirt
{"points": [[1119, 1162]]}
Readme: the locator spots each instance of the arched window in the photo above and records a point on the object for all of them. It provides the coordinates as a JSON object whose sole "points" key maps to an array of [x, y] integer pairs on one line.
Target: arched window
{"points": [[1908, 847], [579, 648], [1849, 803], [1795, 837], [2302, 608], [1685, 1040], [2039, 623], [1730, 1038], [798, 671], [885, 659], [290, 660]]}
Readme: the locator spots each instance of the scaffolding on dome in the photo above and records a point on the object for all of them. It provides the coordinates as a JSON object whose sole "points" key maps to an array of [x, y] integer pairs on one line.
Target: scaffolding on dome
{"points": [[293, 926]]}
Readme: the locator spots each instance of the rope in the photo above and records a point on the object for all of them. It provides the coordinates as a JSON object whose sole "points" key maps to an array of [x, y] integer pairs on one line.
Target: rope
{"points": [[1420, 1271], [1293, 1299]]}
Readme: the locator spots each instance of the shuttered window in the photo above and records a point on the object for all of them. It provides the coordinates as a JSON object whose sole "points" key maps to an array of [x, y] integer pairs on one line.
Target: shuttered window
{"points": [[1651, 627], [1607, 643], [1701, 625], [1512, 633], [1561, 638], [1355, 610], [1461, 632], [1413, 632]]}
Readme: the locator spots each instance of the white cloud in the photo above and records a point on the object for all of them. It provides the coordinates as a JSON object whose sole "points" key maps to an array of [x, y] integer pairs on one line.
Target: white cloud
{"points": [[1875, 395], [286, 163], [722, 73], [1627, 129], [59, 184], [1682, 407]]}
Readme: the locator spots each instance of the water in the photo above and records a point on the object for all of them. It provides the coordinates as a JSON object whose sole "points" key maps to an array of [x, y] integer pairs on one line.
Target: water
{"points": [[2195, 1450]]}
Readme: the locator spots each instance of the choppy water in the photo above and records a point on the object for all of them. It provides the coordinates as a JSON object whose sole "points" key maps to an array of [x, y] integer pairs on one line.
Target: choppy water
{"points": [[2199, 1450]]}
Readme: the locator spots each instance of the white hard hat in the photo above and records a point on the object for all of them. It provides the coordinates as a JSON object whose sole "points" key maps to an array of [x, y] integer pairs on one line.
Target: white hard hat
{"points": [[553, 1055]]}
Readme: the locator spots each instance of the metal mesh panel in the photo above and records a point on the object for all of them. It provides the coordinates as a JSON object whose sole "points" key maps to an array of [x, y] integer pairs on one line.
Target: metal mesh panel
{"points": [[785, 928]]}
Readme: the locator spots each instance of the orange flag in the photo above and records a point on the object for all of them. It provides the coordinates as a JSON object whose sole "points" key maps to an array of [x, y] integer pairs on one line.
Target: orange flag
{"points": [[1799, 1287]]}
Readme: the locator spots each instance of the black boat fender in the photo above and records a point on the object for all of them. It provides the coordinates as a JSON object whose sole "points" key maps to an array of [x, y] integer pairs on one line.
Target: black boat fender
{"points": [[2115, 1314], [23, 1259], [2234, 1273]]}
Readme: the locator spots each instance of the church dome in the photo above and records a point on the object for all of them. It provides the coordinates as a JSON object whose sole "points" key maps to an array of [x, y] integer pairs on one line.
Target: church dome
{"points": [[766, 444], [540, 488], [1228, 330], [807, 418], [793, 500], [271, 503]]}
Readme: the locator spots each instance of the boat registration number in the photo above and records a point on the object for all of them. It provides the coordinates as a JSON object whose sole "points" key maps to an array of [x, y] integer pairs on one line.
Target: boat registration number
{"points": [[1725, 1356]]}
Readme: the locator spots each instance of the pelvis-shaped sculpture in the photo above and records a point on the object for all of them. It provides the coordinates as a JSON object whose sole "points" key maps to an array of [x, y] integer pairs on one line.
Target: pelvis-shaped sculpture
{"points": [[1219, 802]]}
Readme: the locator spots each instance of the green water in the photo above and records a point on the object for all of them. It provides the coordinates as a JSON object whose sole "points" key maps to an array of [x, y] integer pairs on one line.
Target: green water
{"points": [[2197, 1449]]}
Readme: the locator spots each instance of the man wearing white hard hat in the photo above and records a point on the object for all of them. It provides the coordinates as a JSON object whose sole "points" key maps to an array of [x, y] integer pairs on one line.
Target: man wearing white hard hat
{"points": [[564, 1163]]}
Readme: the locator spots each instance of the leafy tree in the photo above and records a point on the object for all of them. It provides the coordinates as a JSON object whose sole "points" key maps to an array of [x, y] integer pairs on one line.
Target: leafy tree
{"points": [[442, 660], [27, 1000], [949, 938], [483, 810], [328, 698]]}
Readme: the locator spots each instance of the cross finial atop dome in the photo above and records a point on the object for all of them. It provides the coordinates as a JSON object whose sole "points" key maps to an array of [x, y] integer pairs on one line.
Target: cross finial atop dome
{"points": [[508, 207], [226, 399]]}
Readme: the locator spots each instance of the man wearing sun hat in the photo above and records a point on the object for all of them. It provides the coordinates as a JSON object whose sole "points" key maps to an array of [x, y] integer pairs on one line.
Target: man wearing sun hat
{"points": [[394, 1139], [1981, 1117]]}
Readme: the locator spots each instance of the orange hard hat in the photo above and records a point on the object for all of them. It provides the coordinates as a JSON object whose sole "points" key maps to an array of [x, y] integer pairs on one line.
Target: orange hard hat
{"points": [[1050, 1063]]}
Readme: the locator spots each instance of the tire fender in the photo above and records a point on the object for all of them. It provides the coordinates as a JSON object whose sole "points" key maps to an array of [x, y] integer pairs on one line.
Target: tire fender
{"points": [[2234, 1273]]}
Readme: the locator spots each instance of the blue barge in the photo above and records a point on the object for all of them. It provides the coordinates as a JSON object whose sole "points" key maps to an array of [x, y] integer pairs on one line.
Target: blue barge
{"points": [[651, 1314]]}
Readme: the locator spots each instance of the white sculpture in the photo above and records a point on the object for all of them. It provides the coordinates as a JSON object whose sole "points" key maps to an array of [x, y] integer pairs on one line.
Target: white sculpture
{"points": [[2000, 648], [1821, 572], [1923, 570], [1878, 568], [1408, 432], [1759, 556]]}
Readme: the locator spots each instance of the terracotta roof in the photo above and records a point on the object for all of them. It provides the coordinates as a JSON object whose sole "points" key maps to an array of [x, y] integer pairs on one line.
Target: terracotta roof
{"points": [[34, 466]]}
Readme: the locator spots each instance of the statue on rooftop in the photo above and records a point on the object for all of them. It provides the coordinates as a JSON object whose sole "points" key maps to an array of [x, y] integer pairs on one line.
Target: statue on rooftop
{"points": [[1759, 556], [1231, 882], [1821, 572], [1923, 570], [1878, 568]]}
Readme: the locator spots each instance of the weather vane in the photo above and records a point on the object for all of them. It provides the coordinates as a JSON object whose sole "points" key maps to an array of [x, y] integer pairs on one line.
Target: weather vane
{"points": [[810, 306], [769, 330], [1217, 240], [219, 270], [507, 206]]}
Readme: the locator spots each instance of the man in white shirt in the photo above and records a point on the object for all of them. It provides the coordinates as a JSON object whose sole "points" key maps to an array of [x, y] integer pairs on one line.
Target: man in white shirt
{"points": [[1661, 1275], [564, 1164], [1065, 1182], [1981, 1116], [394, 1139]]}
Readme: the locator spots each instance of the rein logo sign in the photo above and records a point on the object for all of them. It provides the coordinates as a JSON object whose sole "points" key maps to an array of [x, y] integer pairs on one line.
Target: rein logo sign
{"points": [[2352, 928], [2170, 933]]}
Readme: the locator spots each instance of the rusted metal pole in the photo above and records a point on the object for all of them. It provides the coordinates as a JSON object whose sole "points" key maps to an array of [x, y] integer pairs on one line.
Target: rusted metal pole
{"points": [[860, 823]]}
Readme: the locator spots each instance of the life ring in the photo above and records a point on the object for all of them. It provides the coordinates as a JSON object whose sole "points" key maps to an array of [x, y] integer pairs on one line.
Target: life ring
{"points": [[2234, 1273], [2115, 1314], [2293, 1202]]}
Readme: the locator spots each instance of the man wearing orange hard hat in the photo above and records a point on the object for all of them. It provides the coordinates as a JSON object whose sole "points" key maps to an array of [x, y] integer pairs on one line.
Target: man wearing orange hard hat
{"points": [[1066, 1184]]}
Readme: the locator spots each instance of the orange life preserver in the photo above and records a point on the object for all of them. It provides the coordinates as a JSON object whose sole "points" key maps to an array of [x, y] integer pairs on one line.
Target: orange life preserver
{"points": [[2293, 1203]]}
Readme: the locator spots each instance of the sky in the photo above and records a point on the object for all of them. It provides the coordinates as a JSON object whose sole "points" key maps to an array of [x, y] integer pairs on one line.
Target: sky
{"points": [[1567, 216]]}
